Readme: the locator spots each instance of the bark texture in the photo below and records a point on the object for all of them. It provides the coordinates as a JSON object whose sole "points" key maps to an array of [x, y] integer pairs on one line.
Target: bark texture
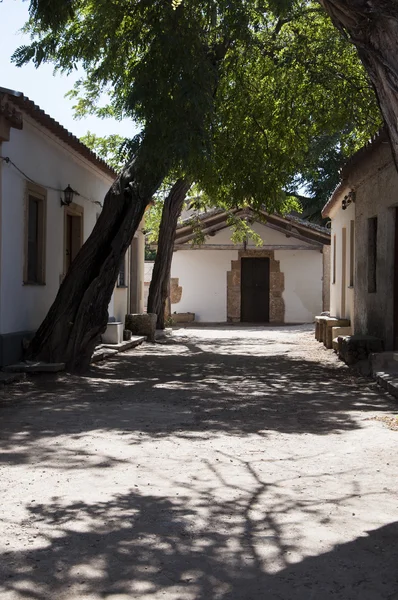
{"points": [[372, 26], [79, 313], [159, 287]]}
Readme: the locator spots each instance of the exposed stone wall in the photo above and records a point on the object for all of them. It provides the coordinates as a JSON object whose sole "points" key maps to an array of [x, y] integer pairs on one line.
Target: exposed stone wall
{"points": [[277, 286], [175, 290]]}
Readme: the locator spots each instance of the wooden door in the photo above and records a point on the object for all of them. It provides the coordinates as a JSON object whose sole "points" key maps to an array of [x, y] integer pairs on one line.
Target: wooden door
{"points": [[255, 290]]}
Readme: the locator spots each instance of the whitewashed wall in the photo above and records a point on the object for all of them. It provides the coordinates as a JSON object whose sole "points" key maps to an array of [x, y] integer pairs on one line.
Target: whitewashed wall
{"points": [[51, 163], [303, 284], [341, 219], [203, 277]]}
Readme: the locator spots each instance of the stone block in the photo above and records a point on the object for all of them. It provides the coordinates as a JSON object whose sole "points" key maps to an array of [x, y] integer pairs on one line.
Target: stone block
{"points": [[175, 290], [276, 310], [320, 328], [113, 333], [127, 335], [233, 279], [233, 302], [329, 324], [183, 317], [355, 348], [142, 324], [277, 281], [274, 266]]}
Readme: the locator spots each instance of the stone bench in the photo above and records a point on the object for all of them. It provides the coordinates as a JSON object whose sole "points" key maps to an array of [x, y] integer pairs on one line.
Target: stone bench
{"points": [[323, 328], [355, 348], [320, 327], [339, 331], [329, 324]]}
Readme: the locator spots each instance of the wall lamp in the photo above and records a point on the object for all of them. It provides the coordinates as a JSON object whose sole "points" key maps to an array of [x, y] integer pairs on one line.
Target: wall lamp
{"points": [[68, 196], [350, 197]]}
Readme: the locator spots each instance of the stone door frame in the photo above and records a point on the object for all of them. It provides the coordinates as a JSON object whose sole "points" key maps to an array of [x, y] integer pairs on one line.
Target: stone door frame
{"points": [[276, 285]]}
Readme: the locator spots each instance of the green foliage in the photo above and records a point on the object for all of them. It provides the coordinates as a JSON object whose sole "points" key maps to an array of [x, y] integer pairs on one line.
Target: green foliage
{"points": [[242, 231], [152, 219], [232, 94], [150, 253], [111, 148]]}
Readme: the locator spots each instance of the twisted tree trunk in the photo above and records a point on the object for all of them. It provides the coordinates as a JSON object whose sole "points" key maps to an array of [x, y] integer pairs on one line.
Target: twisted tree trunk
{"points": [[372, 26], [159, 287], [79, 313]]}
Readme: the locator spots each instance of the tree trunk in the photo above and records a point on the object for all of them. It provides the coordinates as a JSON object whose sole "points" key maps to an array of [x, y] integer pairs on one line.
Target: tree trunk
{"points": [[159, 287], [373, 28], [79, 313]]}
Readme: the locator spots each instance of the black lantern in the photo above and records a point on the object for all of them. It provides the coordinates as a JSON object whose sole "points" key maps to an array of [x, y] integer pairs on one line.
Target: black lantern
{"points": [[68, 196]]}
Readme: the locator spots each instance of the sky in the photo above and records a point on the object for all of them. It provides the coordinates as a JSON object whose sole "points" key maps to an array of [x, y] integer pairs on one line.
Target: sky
{"points": [[41, 85]]}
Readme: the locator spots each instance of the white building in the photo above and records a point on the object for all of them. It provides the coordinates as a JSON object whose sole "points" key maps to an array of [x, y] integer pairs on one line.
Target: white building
{"points": [[282, 281], [40, 235], [364, 253]]}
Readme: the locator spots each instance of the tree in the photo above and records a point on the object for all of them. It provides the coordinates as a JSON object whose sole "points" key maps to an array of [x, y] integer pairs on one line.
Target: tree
{"points": [[159, 287], [373, 29], [138, 38], [229, 102]]}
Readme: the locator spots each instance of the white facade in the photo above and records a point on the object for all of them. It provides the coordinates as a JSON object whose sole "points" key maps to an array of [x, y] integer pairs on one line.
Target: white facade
{"points": [[342, 261], [38, 155], [202, 275]]}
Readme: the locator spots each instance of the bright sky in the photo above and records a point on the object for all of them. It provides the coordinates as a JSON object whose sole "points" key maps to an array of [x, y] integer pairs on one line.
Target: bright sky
{"points": [[41, 85]]}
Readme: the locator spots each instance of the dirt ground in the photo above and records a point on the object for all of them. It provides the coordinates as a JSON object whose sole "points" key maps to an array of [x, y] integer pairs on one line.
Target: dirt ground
{"points": [[224, 464]]}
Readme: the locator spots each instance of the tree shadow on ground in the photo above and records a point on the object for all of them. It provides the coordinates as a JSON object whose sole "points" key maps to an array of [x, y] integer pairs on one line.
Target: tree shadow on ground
{"points": [[143, 546], [186, 388]]}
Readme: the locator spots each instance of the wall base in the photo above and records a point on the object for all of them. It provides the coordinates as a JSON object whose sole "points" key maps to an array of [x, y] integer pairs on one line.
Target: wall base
{"points": [[11, 346]]}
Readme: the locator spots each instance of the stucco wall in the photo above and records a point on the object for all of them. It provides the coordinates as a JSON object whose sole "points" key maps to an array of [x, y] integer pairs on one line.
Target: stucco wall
{"points": [[303, 284], [202, 275], [341, 219], [326, 279], [51, 164]]}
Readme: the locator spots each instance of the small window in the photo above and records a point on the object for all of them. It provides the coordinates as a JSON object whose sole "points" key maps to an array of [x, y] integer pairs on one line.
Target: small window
{"points": [[372, 254], [34, 271], [121, 280], [334, 260], [352, 252]]}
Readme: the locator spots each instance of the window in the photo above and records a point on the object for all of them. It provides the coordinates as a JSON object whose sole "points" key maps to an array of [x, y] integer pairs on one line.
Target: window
{"points": [[34, 270], [372, 254], [352, 252], [121, 280], [334, 260]]}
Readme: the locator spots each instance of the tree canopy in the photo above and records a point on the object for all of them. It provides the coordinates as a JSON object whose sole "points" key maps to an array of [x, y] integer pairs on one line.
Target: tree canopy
{"points": [[233, 95]]}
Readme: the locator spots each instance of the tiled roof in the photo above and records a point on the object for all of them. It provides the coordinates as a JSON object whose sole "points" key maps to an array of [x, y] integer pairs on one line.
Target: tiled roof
{"points": [[219, 211], [11, 98], [217, 218]]}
